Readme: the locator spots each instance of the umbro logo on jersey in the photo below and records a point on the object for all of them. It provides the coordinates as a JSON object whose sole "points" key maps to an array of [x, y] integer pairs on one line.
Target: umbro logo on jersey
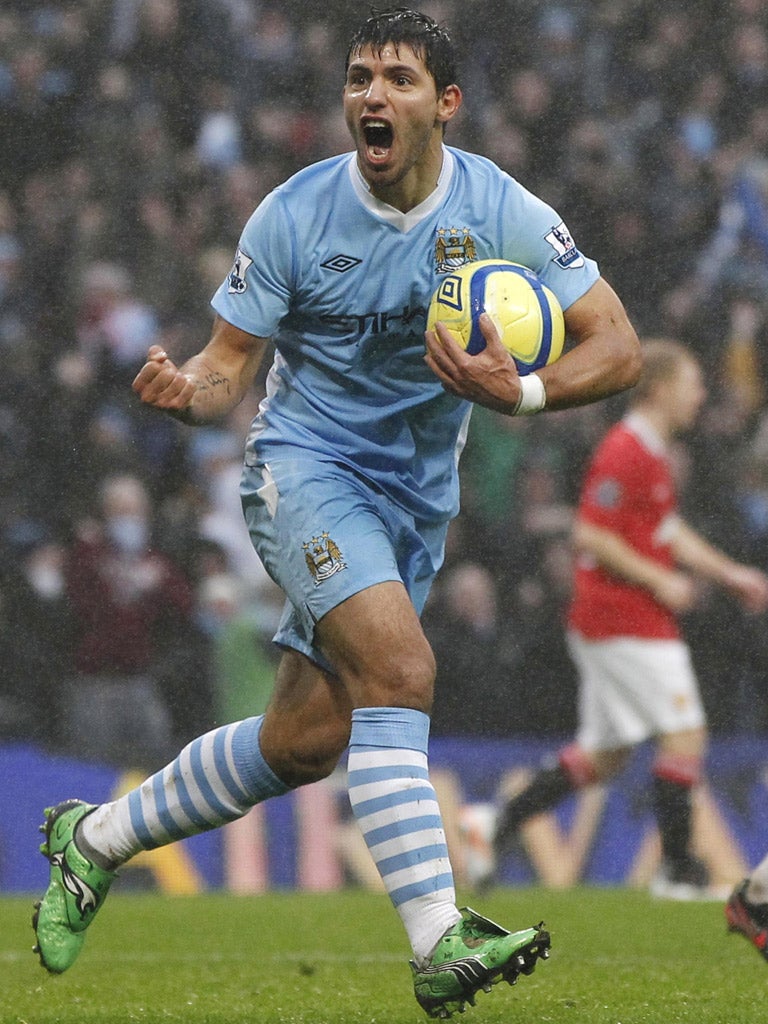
{"points": [[341, 263]]}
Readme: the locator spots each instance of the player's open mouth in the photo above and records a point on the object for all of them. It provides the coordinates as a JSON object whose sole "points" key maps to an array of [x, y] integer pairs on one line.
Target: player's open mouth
{"points": [[378, 138]]}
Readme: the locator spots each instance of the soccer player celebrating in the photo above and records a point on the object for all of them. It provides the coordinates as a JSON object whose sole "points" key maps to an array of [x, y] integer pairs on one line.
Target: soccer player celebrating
{"points": [[349, 483], [636, 562]]}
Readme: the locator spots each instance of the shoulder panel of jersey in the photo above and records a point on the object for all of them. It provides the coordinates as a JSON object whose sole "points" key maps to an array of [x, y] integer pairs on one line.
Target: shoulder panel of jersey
{"points": [[623, 460], [531, 231]]}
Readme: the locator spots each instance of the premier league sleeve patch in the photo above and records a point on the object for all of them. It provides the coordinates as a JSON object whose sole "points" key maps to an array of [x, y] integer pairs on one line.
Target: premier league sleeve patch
{"points": [[607, 493], [568, 256], [236, 283]]}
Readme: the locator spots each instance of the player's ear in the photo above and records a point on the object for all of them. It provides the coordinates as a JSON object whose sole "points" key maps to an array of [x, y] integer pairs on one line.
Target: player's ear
{"points": [[448, 103]]}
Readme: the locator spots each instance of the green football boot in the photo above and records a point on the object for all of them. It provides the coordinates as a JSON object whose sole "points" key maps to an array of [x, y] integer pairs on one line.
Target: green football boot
{"points": [[75, 892], [475, 954]]}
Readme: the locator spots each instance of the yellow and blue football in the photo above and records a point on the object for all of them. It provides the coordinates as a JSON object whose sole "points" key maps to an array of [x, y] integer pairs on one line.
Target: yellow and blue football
{"points": [[526, 313]]}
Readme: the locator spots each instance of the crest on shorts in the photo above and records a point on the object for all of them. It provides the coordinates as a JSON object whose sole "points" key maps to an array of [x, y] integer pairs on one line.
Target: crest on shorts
{"points": [[453, 248], [236, 282], [323, 557]]}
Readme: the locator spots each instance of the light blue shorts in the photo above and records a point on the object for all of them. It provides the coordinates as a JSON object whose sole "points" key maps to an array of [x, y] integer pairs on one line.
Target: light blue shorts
{"points": [[324, 533]]}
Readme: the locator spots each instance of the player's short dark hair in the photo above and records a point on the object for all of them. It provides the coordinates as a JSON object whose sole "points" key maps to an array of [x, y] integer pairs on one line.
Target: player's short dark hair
{"points": [[428, 40]]}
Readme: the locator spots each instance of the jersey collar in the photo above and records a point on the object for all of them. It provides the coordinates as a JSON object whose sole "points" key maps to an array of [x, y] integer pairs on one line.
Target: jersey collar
{"points": [[403, 221], [646, 433]]}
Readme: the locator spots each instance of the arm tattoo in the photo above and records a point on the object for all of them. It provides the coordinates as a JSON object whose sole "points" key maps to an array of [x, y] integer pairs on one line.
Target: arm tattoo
{"points": [[213, 380]]}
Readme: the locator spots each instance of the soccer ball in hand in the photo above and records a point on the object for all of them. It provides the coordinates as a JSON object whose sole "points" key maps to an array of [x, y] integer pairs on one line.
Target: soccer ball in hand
{"points": [[526, 313]]}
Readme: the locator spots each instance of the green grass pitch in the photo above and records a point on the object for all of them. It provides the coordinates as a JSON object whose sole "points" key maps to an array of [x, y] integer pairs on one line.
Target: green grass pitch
{"points": [[618, 957]]}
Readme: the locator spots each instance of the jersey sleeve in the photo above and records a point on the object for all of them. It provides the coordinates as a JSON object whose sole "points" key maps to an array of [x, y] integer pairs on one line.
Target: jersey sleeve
{"points": [[256, 293], [547, 246], [612, 487]]}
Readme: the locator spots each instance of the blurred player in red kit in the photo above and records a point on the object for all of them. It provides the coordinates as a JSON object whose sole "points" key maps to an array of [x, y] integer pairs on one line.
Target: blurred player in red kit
{"points": [[636, 564]]}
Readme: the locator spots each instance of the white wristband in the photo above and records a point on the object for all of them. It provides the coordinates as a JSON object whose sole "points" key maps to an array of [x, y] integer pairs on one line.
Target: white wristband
{"points": [[533, 396]]}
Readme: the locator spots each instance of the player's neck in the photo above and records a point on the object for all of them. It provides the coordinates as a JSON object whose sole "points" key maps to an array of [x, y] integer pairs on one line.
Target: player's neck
{"points": [[657, 419], [417, 185]]}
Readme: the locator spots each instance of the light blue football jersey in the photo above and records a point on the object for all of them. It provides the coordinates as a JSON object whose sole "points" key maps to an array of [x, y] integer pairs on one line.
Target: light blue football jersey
{"points": [[341, 282]]}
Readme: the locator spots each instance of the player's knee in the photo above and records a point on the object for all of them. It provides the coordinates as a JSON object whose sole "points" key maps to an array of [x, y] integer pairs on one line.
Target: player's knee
{"points": [[407, 680], [305, 765], [304, 768], [309, 754]]}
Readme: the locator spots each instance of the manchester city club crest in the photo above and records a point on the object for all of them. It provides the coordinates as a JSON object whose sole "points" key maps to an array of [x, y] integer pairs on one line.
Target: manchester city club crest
{"points": [[453, 248], [323, 557]]}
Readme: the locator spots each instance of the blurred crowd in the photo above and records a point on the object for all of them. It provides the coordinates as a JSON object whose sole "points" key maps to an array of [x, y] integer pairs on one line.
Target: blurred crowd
{"points": [[138, 136]]}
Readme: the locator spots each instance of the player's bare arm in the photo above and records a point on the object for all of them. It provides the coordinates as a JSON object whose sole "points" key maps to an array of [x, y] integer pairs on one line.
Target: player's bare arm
{"points": [[674, 589], [747, 583], [604, 359], [207, 386]]}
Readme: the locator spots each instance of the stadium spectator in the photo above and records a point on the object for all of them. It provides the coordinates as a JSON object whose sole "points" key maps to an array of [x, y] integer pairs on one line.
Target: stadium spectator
{"points": [[35, 636], [14, 307], [475, 651], [114, 325], [127, 602]]}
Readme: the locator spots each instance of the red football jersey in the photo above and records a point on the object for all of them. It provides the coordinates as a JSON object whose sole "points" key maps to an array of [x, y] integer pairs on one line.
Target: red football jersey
{"points": [[629, 490]]}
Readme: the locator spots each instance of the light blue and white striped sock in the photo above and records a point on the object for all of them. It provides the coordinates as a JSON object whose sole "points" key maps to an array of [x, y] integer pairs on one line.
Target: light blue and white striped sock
{"points": [[215, 779], [397, 811]]}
